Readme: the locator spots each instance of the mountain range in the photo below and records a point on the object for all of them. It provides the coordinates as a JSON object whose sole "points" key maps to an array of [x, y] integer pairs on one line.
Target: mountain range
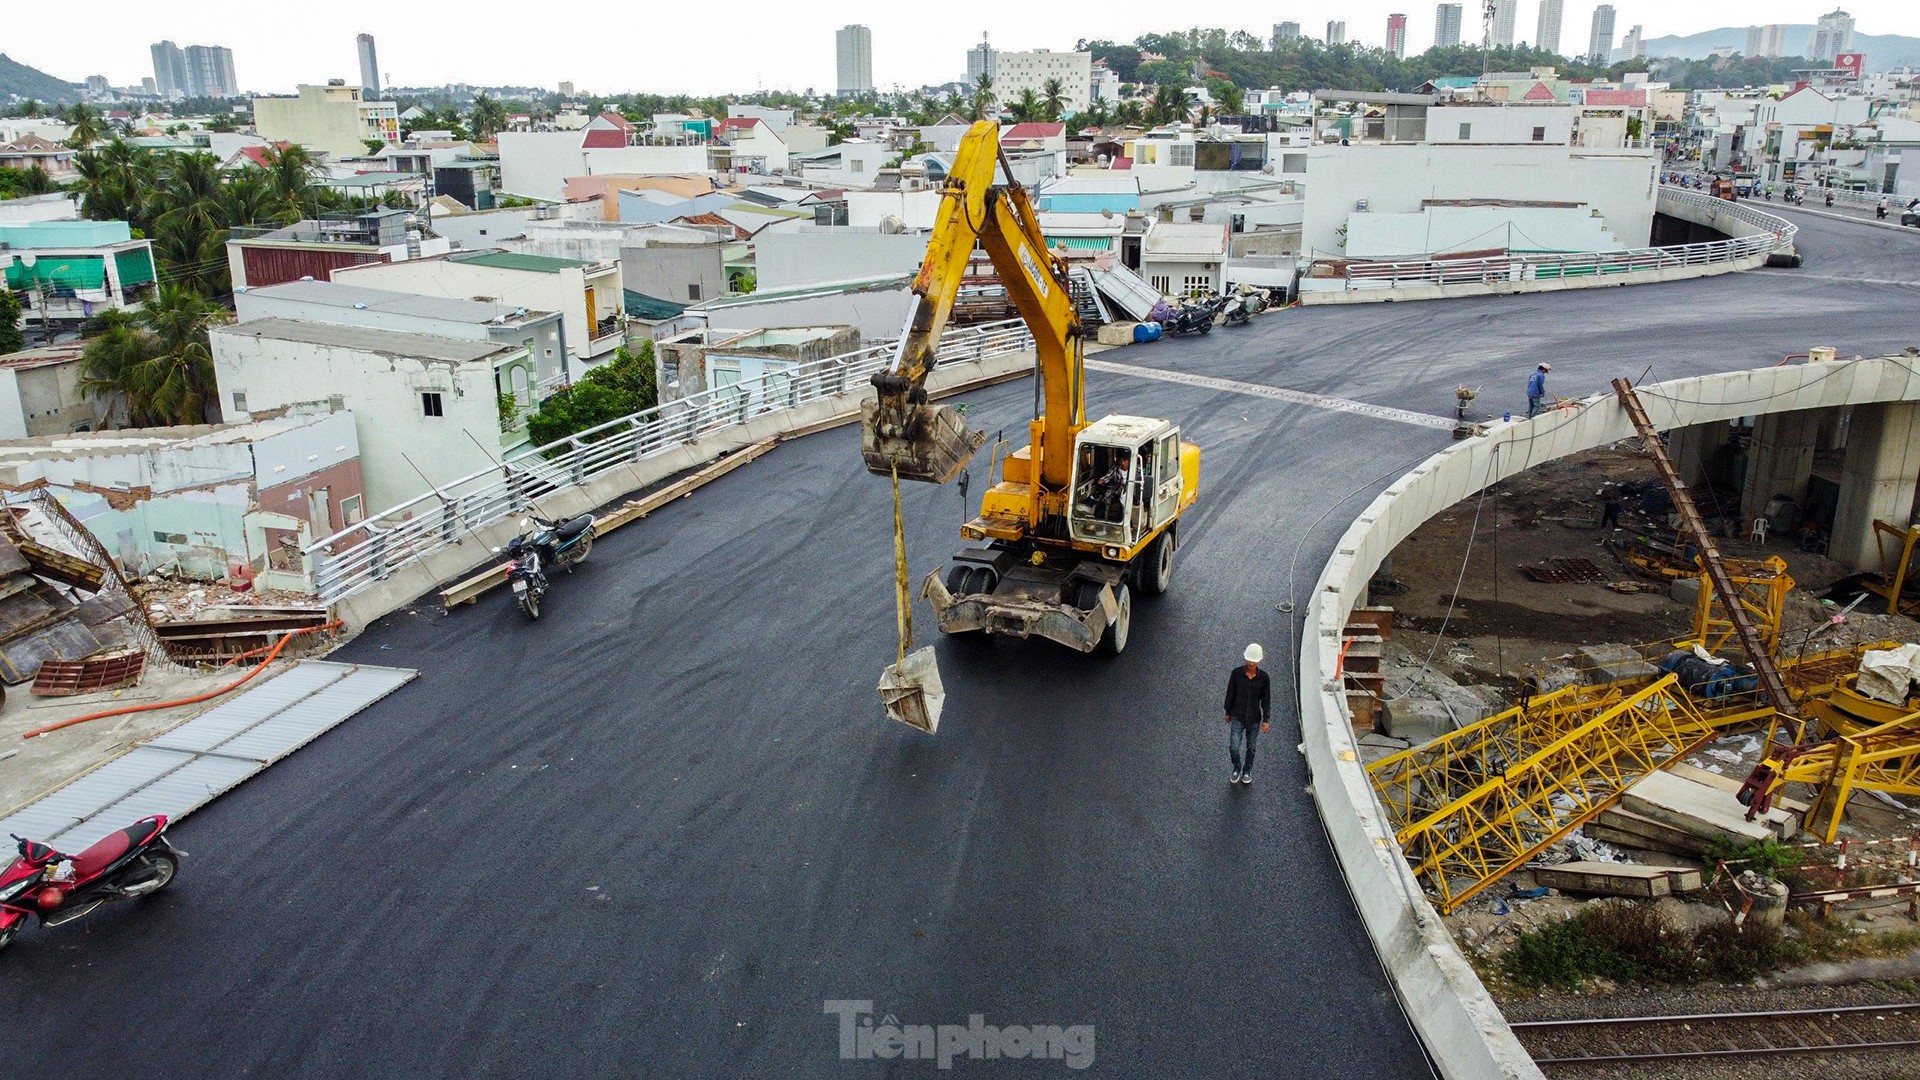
{"points": [[1883, 50]]}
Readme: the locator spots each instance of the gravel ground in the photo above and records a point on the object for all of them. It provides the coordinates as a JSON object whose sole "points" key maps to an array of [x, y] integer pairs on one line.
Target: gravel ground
{"points": [[1673, 1002]]}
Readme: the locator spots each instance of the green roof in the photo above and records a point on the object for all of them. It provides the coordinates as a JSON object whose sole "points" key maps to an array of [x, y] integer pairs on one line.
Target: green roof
{"points": [[513, 260], [642, 306]]}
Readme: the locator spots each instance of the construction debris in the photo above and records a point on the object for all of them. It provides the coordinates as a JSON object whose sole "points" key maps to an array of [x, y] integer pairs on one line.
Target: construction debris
{"points": [[1567, 572], [1704, 812], [1632, 880], [107, 671]]}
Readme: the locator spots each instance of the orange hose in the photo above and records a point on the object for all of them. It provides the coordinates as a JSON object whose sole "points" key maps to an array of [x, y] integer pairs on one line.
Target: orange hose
{"points": [[232, 660], [197, 698]]}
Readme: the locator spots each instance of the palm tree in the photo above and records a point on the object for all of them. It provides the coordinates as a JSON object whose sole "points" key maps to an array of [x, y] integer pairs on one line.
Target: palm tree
{"points": [[1096, 114], [248, 199], [156, 364], [1232, 99], [1053, 100], [487, 117], [1027, 107], [290, 180], [84, 120], [983, 98]]}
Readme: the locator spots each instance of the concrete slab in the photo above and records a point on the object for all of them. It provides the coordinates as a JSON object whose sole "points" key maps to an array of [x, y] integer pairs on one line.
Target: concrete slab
{"points": [[1634, 880], [1612, 663], [1696, 808]]}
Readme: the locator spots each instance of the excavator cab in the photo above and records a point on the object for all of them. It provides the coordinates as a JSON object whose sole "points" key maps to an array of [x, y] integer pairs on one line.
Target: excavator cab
{"points": [[1126, 480]]}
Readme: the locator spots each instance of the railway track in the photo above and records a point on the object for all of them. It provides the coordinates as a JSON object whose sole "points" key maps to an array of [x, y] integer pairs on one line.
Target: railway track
{"points": [[1855, 1030]]}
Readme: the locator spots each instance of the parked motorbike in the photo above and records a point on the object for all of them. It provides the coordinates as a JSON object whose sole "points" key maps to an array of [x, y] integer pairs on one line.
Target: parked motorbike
{"points": [[56, 888], [545, 544], [1829, 199], [1196, 317], [1244, 305]]}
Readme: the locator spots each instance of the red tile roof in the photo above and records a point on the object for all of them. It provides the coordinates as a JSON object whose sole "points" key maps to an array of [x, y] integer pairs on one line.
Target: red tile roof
{"points": [[1538, 92], [713, 219], [617, 120], [1626, 98], [1036, 130], [603, 139], [738, 123]]}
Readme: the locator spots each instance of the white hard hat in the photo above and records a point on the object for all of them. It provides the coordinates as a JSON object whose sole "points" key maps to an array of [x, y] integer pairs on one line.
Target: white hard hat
{"points": [[1255, 653]]}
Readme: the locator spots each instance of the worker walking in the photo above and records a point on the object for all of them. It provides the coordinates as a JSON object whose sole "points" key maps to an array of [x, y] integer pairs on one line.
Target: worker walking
{"points": [[1248, 699], [1537, 389]]}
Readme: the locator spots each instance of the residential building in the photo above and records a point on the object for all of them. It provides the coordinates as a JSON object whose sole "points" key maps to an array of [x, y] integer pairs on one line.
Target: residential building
{"points": [[334, 118], [1446, 26], [53, 206], [316, 248], [1600, 39], [341, 304], [1336, 32], [1634, 45], [537, 164], [1345, 182], [1547, 30], [982, 60], [1505, 14], [40, 393], [1832, 35], [821, 254], [1285, 31], [426, 409], [1769, 40], [749, 145], [701, 360], [586, 294], [472, 182], [204, 500], [1493, 124], [673, 263], [169, 70], [1397, 34], [853, 163], [1105, 85], [68, 271], [853, 55], [1020, 71], [30, 152], [775, 119], [1185, 258], [369, 68], [210, 72]]}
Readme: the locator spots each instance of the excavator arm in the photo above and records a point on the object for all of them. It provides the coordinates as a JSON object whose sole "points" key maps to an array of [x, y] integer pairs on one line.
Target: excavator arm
{"points": [[901, 432]]}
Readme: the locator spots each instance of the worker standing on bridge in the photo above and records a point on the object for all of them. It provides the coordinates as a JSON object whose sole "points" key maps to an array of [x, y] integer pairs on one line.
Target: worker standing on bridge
{"points": [[1248, 699], [1537, 389]]}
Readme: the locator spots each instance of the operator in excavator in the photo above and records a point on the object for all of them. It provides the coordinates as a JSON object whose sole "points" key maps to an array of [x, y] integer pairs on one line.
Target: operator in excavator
{"points": [[1111, 489]]}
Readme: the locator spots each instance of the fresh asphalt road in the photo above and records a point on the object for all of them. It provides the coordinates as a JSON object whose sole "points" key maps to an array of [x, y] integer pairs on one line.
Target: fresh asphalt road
{"points": [[656, 832]]}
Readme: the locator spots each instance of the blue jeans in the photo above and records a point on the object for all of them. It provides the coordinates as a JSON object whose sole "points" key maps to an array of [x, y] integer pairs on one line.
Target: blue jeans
{"points": [[1242, 735], [1533, 404]]}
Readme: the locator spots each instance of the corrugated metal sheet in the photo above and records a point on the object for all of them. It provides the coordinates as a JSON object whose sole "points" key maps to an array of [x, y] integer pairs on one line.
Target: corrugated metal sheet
{"points": [[273, 265], [193, 764]]}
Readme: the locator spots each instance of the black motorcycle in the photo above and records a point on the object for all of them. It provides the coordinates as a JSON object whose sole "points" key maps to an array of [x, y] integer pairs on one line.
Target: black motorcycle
{"points": [[546, 544], [1196, 317]]}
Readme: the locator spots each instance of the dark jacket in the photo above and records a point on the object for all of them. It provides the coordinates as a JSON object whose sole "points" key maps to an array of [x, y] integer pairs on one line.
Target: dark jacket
{"points": [[1248, 699]]}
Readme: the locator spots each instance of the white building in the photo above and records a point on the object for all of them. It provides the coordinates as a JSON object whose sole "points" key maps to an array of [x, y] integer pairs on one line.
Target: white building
{"points": [[1600, 41], [1398, 178], [334, 118], [1634, 45], [1494, 124], [426, 409], [1832, 35], [853, 163], [776, 119], [1106, 83], [1504, 16], [982, 60], [751, 146], [1547, 30], [1185, 258], [409, 313], [1336, 32], [1021, 71], [817, 255], [537, 164], [587, 295], [853, 55]]}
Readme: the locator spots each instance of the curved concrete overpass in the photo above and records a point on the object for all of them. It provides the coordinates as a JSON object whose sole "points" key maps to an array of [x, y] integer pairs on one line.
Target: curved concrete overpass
{"points": [[658, 831]]}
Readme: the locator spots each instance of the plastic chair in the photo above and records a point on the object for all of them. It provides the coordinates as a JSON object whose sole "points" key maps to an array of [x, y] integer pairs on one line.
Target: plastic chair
{"points": [[1759, 534]]}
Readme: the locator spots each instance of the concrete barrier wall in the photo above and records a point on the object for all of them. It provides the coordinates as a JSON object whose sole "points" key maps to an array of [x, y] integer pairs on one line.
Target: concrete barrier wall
{"points": [[464, 556], [1454, 1015], [1509, 288]]}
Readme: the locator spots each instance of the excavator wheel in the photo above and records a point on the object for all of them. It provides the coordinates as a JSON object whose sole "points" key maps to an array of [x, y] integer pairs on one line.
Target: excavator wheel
{"points": [[957, 580], [1114, 641], [1156, 565]]}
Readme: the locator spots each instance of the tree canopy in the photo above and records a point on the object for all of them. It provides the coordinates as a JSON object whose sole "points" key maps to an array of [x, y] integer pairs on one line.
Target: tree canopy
{"points": [[621, 387]]}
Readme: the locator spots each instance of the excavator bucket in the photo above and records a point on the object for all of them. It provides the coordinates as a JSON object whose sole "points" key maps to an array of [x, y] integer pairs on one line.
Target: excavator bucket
{"points": [[929, 443], [911, 690]]}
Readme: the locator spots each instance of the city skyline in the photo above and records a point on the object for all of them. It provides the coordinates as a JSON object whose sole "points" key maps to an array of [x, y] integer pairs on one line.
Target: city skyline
{"points": [[420, 49]]}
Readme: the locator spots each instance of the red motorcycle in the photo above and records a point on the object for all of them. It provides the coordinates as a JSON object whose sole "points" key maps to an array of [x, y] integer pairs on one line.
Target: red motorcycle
{"points": [[135, 861]]}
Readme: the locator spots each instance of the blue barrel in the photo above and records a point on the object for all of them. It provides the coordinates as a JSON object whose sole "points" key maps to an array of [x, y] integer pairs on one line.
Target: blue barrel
{"points": [[1142, 332]]}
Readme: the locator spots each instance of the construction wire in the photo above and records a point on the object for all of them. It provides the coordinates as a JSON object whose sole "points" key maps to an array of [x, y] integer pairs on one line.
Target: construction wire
{"points": [[1453, 600]]}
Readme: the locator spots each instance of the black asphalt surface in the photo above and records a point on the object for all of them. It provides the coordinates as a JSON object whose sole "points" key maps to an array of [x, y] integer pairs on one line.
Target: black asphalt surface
{"points": [[656, 832]]}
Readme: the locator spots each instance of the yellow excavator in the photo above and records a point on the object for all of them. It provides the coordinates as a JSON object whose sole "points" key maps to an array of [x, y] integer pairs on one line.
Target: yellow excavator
{"points": [[1083, 516]]}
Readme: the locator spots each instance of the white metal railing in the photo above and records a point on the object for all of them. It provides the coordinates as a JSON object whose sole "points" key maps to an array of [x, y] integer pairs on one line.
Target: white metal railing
{"points": [[367, 551], [1776, 235]]}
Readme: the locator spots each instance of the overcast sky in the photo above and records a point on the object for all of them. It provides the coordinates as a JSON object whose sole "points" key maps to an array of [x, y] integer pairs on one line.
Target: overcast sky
{"points": [[746, 45]]}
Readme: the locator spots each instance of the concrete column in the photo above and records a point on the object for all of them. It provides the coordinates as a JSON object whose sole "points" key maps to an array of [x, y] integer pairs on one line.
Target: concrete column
{"points": [[1780, 460], [1877, 481], [1689, 447]]}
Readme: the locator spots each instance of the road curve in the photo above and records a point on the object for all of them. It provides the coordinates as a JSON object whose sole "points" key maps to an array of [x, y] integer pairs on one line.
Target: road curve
{"points": [[656, 832]]}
